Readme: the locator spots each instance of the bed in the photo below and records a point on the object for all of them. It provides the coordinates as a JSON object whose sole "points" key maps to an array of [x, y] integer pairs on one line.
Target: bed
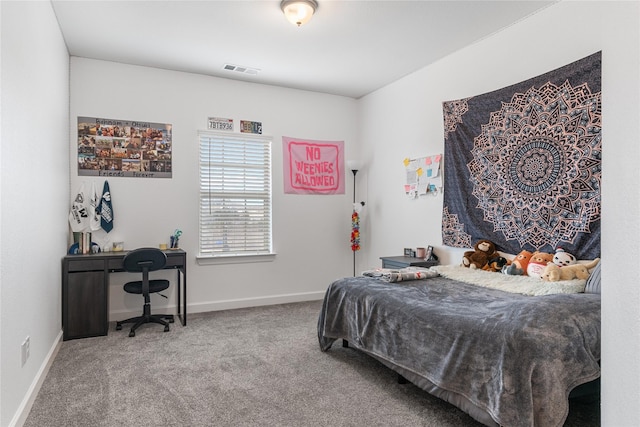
{"points": [[505, 357]]}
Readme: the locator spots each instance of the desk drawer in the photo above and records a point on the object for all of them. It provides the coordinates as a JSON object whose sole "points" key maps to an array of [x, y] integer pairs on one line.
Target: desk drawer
{"points": [[115, 264], [393, 264], [86, 265], [175, 260]]}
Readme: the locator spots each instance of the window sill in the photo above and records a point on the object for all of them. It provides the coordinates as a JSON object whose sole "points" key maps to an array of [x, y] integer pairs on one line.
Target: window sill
{"points": [[234, 259]]}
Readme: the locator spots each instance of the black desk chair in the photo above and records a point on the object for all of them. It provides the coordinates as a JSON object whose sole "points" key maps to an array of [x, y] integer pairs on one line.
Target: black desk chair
{"points": [[145, 260]]}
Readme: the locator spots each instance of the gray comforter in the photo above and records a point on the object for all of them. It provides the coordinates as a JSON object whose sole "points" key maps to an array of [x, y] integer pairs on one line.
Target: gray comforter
{"points": [[515, 357]]}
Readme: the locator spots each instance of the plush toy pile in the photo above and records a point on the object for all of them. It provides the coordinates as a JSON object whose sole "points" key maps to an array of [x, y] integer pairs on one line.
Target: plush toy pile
{"points": [[484, 251], [518, 266], [562, 258], [537, 263], [549, 267], [554, 273]]}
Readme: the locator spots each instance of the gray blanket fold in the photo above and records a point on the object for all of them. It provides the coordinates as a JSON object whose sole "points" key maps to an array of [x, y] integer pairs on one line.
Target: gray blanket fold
{"points": [[517, 357]]}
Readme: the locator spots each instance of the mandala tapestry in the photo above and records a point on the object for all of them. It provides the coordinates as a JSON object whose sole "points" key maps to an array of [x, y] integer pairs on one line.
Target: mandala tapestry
{"points": [[523, 164]]}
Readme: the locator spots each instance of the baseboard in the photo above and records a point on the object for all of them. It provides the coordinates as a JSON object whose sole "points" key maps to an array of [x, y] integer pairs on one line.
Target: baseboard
{"points": [[25, 406], [254, 302], [203, 307]]}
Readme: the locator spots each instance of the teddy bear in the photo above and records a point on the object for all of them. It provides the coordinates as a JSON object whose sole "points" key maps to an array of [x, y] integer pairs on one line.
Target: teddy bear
{"points": [[518, 266], [562, 258], [496, 264], [478, 258], [553, 273], [538, 262]]}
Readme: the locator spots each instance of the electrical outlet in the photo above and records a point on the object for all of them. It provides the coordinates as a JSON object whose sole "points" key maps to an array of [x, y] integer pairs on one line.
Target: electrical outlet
{"points": [[26, 350]]}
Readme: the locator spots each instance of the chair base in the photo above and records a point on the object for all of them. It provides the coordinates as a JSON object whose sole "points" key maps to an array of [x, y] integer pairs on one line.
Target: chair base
{"points": [[162, 319]]}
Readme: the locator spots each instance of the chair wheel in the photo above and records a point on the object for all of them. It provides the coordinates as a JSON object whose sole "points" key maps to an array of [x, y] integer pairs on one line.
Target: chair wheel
{"points": [[118, 327], [166, 328], [132, 333]]}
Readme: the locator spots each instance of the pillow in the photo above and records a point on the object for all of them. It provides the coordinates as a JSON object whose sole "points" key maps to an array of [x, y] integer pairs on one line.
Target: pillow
{"points": [[593, 282]]}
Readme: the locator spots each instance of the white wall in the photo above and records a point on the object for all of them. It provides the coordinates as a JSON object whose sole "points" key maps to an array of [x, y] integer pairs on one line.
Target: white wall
{"points": [[311, 233], [404, 119], [35, 197]]}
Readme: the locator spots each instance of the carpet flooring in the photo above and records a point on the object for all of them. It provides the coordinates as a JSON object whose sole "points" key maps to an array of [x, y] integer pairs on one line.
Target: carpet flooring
{"points": [[258, 366]]}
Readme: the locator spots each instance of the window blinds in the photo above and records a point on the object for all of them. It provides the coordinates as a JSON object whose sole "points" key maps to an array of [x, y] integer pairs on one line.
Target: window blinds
{"points": [[235, 195]]}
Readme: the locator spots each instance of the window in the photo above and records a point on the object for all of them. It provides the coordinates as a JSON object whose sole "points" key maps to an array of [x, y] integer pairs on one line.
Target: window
{"points": [[235, 195]]}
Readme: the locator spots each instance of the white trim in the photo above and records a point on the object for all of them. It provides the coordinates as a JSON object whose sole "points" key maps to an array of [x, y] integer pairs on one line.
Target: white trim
{"points": [[22, 413], [254, 302], [204, 307], [234, 259]]}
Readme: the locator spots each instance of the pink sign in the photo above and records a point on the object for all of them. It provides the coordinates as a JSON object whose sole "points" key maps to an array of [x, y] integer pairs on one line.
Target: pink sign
{"points": [[313, 167]]}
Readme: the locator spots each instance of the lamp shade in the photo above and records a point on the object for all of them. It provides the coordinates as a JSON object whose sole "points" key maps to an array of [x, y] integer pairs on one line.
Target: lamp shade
{"points": [[298, 12]]}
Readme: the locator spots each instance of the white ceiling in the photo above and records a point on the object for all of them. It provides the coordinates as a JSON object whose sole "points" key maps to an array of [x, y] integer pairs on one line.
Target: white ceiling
{"points": [[349, 48]]}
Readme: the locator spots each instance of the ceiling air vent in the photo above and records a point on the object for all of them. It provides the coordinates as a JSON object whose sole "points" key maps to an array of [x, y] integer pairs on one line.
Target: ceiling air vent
{"points": [[241, 69]]}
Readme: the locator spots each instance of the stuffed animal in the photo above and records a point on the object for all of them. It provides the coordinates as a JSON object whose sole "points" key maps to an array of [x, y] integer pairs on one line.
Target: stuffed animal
{"points": [[484, 251], [496, 264], [553, 273], [562, 258], [537, 263], [519, 265]]}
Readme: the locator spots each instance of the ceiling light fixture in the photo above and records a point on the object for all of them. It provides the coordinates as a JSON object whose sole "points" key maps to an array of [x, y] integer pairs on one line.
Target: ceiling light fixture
{"points": [[298, 12]]}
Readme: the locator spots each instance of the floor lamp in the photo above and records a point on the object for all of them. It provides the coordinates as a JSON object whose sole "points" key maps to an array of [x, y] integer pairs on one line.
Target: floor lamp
{"points": [[355, 166]]}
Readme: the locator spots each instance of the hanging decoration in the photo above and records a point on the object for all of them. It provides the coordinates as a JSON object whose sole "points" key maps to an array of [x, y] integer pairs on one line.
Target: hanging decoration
{"points": [[355, 231], [524, 164], [313, 167], [79, 213], [84, 219], [106, 209], [94, 212], [355, 227]]}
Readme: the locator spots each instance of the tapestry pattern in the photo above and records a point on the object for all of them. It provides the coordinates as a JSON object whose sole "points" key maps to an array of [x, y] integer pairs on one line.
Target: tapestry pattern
{"points": [[524, 164]]}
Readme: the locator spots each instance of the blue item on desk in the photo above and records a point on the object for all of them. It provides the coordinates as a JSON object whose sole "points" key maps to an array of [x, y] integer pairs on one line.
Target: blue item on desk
{"points": [[75, 248]]}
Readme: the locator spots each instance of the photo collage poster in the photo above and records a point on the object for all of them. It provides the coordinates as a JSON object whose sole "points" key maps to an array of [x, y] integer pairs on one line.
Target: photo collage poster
{"points": [[112, 148]]}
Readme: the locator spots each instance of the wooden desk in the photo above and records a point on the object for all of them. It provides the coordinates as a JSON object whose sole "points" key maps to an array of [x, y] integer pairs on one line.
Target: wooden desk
{"points": [[85, 290]]}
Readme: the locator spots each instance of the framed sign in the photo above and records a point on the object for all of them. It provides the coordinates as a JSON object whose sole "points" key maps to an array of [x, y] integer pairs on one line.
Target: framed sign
{"points": [[109, 147], [313, 167]]}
